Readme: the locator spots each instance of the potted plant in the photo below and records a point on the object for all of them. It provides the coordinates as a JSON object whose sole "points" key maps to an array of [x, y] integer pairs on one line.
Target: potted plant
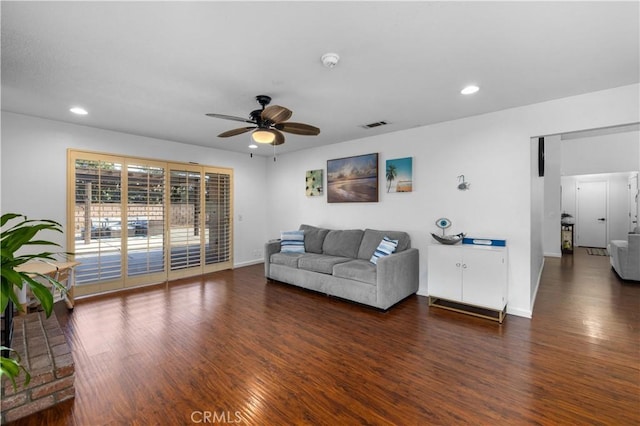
{"points": [[17, 237]]}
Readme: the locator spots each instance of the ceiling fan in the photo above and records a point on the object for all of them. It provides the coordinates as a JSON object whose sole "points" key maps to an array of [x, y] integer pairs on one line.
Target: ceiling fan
{"points": [[269, 122]]}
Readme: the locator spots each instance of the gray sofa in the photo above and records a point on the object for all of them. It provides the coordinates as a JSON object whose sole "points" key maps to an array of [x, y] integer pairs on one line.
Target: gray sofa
{"points": [[625, 256], [337, 263]]}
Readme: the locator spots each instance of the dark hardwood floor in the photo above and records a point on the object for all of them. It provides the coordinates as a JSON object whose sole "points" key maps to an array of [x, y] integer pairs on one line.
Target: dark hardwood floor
{"points": [[229, 347]]}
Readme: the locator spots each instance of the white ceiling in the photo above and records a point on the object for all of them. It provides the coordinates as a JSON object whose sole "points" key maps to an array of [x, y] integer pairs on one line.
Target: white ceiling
{"points": [[156, 68]]}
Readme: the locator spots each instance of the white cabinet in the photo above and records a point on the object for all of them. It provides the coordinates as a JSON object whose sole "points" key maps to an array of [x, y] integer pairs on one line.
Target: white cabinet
{"points": [[468, 275]]}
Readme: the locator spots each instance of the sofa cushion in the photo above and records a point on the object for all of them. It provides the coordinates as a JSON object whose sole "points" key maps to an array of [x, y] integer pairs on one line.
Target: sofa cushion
{"points": [[313, 238], [385, 248], [286, 259], [372, 238], [320, 262], [343, 243], [358, 270], [292, 242]]}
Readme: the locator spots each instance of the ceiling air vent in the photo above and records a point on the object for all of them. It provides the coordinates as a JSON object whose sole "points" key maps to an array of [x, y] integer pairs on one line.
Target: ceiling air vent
{"points": [[376, 124]]}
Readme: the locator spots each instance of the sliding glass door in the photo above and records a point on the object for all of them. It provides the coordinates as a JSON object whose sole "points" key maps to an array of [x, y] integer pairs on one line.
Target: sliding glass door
{"points": [[145, 218], [185, 236], [139, 222], [200, 220], [98, 196], [217, 220]]}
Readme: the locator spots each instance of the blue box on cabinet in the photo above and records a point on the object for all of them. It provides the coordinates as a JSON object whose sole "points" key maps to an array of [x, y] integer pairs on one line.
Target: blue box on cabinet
{"points": [[484, 242]]}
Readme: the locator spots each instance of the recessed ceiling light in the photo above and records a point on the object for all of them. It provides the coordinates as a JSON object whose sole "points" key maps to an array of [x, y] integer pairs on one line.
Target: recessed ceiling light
{"points": [[469, 90], [79, 111], [253, 146]]}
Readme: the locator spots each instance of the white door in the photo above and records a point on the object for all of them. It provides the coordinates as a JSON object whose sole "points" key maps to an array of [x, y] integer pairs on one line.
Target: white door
{"points": [[592, 214], [633, 202]]}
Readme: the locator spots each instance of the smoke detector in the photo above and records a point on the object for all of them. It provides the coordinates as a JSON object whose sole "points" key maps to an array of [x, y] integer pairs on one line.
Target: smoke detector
{"points": [[330, 60]]}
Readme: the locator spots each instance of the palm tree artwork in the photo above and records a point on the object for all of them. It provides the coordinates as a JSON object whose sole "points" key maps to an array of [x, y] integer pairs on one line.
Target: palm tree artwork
{"points": [[400, 175], [392, 172]]}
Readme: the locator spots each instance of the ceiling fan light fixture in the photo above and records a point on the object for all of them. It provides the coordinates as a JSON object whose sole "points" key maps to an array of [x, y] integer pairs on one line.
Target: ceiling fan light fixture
{"points": [[263, 136]]}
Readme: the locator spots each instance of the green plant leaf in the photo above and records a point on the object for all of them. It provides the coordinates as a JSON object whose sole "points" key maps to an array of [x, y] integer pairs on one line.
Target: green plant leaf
{"points": [[11, 275], [42, 293], [8, 294], [13, 238], [11, 367], [7, 217]]}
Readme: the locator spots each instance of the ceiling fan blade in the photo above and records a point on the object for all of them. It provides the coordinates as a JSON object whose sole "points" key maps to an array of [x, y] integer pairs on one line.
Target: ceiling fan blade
{"points": [[276, 114], [234, 132], [298, 129], [230, 117], [279, 138]]}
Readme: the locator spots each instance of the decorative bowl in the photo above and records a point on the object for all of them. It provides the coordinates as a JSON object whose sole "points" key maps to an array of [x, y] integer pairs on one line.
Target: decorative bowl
{"points": [[448, 239]]}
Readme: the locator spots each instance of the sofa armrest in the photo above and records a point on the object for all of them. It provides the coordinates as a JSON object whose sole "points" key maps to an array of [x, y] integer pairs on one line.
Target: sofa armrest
{"points": [[397, 276], [270, 248], [625, 257]]}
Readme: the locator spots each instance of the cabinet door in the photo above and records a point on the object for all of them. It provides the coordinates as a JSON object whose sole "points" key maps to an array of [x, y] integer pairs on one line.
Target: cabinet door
{"points": [[484, 275], [444, 272]]}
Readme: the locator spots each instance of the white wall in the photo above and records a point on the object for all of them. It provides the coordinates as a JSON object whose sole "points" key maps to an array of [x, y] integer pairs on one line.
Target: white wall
{"points": [[34, 173], [552, 197], [536, 225], [617, 152], [493, 151]]}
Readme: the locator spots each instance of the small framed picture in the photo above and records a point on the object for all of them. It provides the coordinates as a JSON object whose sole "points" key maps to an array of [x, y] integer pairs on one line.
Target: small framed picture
{"points": [[314, 183], [399, 175]]}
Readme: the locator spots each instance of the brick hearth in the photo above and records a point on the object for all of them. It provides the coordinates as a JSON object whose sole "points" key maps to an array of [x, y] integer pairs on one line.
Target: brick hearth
{"points": [[46, 355]]}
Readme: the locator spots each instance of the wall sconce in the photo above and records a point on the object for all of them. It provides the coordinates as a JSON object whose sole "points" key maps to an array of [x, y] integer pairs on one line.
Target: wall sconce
{"points": [[463, 185]]}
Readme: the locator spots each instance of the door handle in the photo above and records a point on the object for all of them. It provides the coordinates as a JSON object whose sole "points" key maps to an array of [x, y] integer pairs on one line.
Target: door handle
{"points": [[601, 219]]}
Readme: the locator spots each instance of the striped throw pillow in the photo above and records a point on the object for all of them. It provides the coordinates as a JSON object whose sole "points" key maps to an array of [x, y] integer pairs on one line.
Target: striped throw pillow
{"points": [[385, 248], [292, 242]]}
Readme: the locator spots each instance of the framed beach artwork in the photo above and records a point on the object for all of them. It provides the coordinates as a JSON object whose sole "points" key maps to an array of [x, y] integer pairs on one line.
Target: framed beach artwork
{"points": [[313, 183], [399, 175], [353, 179]]}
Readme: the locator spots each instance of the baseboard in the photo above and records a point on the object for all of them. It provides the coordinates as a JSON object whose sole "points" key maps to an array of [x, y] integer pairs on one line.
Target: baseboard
{"points": [[554, 254], [248, 263], [519, 312]]}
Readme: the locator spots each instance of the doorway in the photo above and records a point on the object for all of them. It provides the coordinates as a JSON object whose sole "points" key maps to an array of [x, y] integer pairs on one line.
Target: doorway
{"points": [[610, 154]]}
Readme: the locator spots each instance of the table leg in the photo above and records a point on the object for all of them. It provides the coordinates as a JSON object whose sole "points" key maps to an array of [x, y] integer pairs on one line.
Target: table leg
{"points": [[68, 298], [22, 298], [71, 282]]}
